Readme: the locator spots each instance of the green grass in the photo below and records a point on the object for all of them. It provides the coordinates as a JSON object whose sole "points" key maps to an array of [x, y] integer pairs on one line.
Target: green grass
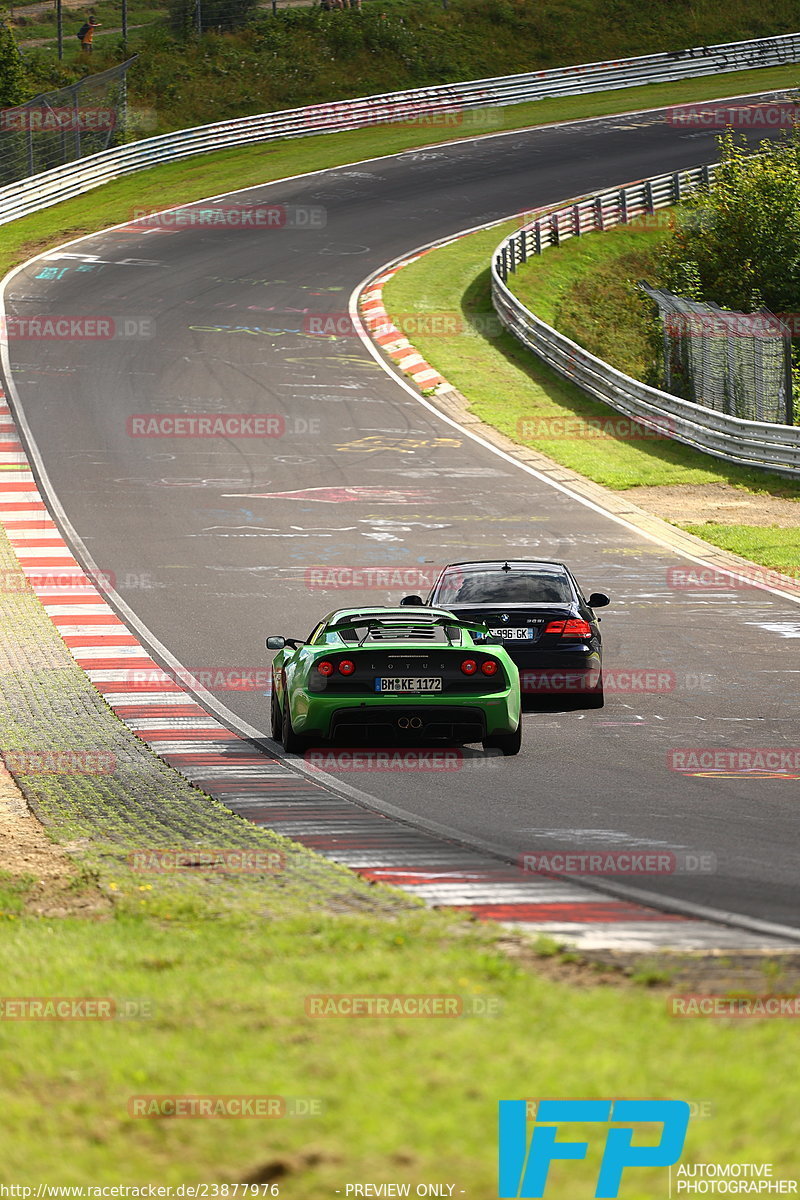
{"points": [[586, 289], [770, 545], [13, 892], [510, 389], [304, 55], [107, 12], [225, 967]]}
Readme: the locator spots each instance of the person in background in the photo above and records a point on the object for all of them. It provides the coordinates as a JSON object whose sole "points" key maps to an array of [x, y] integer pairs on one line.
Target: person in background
{"points": [[88, 34]]}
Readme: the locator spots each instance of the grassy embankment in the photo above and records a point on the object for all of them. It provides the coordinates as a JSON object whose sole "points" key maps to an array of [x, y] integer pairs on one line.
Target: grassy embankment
{"points": [[304, 56], [584, 288]]}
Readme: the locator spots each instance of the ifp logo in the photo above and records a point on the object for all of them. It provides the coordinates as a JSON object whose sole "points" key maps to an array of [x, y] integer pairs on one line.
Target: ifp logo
{"points": [[524, 1166]]}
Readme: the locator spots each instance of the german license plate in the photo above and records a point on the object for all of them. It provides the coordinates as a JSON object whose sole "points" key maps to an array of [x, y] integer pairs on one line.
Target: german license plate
{"points": [[515, 634], [408, 683]]}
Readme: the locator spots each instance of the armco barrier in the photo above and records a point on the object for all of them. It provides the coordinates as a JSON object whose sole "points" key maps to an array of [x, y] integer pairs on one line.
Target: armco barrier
{"points": [[40, 191], [749, 443]]}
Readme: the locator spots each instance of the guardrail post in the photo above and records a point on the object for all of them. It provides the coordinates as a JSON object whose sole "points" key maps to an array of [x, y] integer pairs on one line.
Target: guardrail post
{"points": [[598, 213], [676, 188], [576, 220], [523, 246], [504, 271], [512, 255], [623, 206], [787, 374], [537, 237], [705, 175], [648, 197], [556, 231]]}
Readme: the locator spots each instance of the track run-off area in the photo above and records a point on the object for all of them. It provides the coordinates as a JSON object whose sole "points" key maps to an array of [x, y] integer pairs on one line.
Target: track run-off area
{"points": [[211, 543]]}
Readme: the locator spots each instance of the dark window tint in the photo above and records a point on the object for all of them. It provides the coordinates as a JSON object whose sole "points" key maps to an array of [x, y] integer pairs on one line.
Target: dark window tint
{"points": [[517, 586]]}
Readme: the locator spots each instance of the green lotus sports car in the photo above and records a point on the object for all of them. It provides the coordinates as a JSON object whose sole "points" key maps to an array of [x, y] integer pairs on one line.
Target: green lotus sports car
{"points": [[395, 674]]}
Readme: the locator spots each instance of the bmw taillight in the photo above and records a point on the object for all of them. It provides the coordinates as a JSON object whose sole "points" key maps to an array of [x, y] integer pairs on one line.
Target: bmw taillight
{"points": [[346, 667], [469, 666], [489, 667], [325, 668], [575, 627]]}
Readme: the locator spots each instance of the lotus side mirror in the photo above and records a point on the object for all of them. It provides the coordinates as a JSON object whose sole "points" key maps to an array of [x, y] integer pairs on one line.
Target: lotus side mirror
{"points": [[276, 643], [598, 600], [412, 600]]}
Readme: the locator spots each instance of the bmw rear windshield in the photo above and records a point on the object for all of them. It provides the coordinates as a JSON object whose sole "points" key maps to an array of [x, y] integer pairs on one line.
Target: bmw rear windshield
{"points": [[492, 585]]}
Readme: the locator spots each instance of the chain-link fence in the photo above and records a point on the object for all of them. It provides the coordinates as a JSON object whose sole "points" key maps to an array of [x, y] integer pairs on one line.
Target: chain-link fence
{"points": [[737, 363], [59, 127]]}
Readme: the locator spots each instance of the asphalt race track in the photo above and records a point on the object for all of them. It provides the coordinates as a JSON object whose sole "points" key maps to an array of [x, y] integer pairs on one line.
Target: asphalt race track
{"points": [[211, 557]]}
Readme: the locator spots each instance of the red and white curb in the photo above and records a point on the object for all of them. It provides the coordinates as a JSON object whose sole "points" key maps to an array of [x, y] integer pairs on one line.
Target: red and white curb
{"points": [[164, 715], [391, 340]]}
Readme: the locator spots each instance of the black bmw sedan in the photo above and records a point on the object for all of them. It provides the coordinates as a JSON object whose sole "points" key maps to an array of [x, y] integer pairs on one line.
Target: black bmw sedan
{"points": [[539, 612]]}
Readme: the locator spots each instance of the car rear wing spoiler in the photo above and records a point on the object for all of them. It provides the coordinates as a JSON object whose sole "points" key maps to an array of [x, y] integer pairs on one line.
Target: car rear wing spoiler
{"points": [[407, 622]]}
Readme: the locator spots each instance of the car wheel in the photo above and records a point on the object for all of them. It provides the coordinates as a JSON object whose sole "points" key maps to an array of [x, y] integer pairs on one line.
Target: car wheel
{"points": [[293, 743], [508, 743], [276, 720], [594, 698]]}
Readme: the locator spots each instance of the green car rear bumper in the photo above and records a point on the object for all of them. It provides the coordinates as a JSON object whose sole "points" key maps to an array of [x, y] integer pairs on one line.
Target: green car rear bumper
{"points": [[406, 717]]}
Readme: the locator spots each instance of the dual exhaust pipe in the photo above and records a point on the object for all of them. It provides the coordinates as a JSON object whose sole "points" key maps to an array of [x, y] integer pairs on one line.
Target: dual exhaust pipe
{"points": [[409, 723]]}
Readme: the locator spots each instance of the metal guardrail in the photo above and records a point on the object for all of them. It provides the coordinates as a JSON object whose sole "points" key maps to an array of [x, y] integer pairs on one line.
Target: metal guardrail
{"points": [[748, 443], [50, 187]]}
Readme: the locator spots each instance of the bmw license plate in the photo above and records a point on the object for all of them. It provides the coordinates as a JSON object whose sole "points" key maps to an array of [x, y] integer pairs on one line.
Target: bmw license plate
{"points": [[406, 683], [512, 635]]}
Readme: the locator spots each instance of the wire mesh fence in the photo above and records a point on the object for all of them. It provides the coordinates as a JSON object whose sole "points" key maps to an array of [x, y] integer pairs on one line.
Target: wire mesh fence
{"points": [[736, 363], [60, 127]]}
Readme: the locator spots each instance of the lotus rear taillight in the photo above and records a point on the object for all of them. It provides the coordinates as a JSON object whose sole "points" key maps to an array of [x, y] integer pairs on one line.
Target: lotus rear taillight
{"points": [[346, 667], [489, 667], [325, 668], [469, 666]]}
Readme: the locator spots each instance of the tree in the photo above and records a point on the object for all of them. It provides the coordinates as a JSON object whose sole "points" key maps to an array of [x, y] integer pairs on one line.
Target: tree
{"points": [[738, 241], [12, 72]]}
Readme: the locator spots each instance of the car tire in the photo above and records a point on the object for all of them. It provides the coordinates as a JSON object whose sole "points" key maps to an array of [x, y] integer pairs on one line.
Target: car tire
{"points": [[292, 742], [594, 698], [276, 720], [508, 743]]}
